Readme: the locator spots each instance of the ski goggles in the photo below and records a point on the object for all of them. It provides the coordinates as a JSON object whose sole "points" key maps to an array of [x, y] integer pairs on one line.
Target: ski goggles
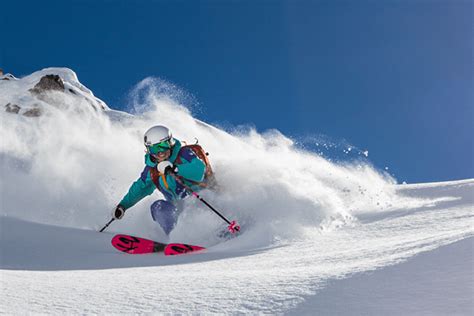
{"points": [[159, 147]]}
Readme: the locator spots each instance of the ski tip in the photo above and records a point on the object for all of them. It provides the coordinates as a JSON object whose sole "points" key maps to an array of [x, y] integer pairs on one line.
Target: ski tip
{"points": [[136, 245], [180, 249]]}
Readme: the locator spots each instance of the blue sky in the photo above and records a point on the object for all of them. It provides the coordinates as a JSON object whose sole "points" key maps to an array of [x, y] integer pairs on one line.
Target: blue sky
{"points": [[392, 77]]}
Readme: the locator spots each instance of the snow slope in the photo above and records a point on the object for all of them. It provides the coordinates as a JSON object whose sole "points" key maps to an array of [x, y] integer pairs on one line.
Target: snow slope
{"points": [[305, 227], [433, 283]]}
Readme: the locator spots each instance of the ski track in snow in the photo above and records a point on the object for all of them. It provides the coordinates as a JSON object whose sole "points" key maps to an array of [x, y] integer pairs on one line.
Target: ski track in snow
{"points": [[320, 223]]}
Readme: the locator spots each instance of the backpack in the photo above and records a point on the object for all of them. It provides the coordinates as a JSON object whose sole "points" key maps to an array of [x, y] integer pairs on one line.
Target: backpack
{"points": [[209, 180], [201, 154]]}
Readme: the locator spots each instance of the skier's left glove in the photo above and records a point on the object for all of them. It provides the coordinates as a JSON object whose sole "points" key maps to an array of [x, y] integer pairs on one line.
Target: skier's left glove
{"points": [[166, 167]]}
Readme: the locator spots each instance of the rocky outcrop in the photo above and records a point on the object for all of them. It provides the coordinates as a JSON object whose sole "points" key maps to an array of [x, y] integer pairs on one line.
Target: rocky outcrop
{"points": [[15, 109], [48, 82], [12, 108], [35, 112], [32, 95]]}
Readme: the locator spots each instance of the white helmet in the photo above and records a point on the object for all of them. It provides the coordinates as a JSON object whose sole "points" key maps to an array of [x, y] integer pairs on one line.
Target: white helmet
{"points": [[158, 134]]}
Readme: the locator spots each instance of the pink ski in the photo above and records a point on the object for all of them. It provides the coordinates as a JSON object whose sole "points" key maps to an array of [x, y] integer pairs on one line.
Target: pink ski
{"points": [[179, 249], [136, 245]]}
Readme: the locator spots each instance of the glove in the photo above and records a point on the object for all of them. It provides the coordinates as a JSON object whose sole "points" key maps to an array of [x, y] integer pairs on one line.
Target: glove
{"points": [[119, 212], [165, 167]]}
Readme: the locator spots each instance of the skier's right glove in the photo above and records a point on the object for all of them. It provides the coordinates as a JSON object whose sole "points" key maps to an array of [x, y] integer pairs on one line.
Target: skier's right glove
{"points": [[119, 212]]}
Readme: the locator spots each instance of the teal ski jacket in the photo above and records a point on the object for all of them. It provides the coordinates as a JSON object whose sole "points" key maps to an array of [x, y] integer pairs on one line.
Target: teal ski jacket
{"points": [[191, 169]]}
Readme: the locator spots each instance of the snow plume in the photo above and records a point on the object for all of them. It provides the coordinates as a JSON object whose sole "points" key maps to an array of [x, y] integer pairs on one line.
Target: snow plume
{"points": [[152, 93], [338, 150], [72, 165]]}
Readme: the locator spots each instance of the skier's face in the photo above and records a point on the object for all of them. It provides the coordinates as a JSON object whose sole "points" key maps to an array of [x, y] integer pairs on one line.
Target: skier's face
{"points": [[160, 151], [162, 156]]}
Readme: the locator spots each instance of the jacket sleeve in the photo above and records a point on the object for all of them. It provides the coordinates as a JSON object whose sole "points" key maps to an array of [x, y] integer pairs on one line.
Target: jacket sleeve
{"points": [[192, 167], [141, 188]]}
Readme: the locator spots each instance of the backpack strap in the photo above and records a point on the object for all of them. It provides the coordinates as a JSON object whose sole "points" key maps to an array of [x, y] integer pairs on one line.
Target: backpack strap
{"points": [[155, 177]]}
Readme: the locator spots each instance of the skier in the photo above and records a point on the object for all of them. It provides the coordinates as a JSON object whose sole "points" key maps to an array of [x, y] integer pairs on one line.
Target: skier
{"points": [[169, 167]]}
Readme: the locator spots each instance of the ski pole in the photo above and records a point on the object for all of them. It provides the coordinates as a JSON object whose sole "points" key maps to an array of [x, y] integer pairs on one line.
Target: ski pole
{"points": [[233, 227], [106, 225]]}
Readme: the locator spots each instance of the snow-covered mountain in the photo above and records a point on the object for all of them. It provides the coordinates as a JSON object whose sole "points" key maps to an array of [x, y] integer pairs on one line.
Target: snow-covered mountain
{"points": [[307, 221], [34, 91]]}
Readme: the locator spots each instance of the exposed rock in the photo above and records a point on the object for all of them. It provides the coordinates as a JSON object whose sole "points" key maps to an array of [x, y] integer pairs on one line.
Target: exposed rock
{"points": [[33, 112], [1, 72], [48, 82], [12, 108], [15, 109]]}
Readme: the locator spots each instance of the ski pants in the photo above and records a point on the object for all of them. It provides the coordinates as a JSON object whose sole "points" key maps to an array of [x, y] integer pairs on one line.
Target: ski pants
{"points": [[166, 214]]}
